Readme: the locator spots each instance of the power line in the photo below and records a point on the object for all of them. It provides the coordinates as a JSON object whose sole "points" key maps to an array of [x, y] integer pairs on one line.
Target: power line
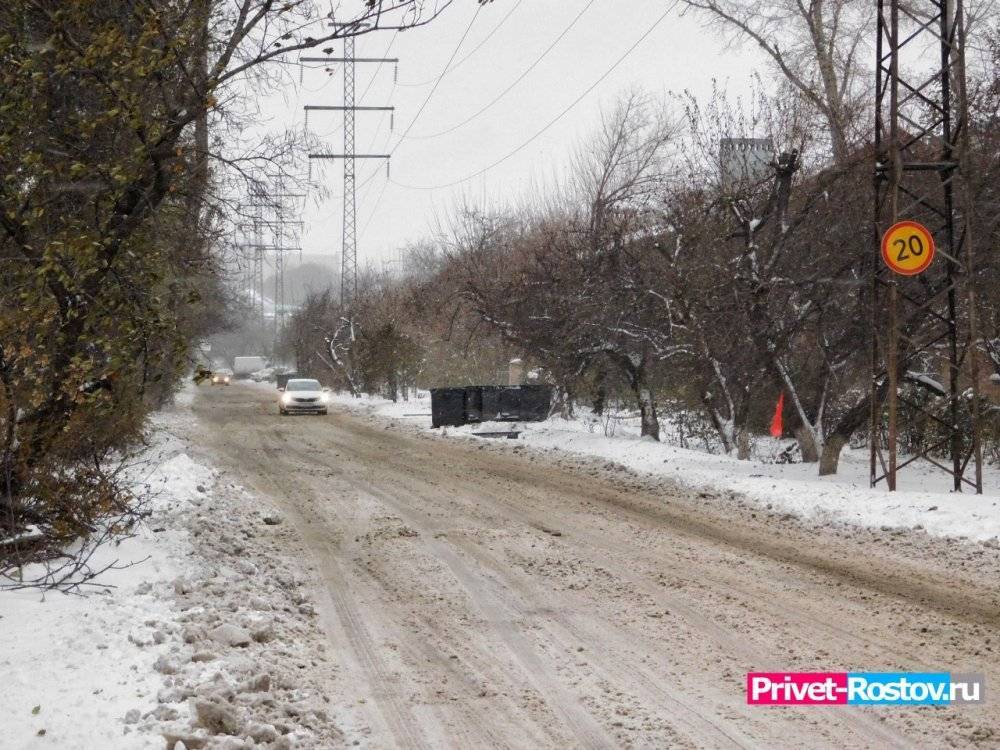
{"points": [[378, 200], [437, 83], [378, 68], [420, 111], [471, 53], [381, 119], [555, 119], [361, 184], [516, 81]]}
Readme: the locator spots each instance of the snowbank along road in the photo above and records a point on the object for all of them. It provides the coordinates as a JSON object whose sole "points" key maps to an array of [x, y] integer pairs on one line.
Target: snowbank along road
{"points": [[479, 595]]}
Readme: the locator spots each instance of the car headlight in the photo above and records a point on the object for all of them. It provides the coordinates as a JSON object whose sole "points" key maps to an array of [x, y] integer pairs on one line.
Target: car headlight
{"points": [[286, 398], [325, 398]]}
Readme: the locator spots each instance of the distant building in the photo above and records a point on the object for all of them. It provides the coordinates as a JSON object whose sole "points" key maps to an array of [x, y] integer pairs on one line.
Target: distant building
{"points": [[745, 160]]}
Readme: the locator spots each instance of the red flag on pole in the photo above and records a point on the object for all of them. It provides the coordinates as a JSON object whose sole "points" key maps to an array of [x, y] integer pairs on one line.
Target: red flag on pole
{"points": [[777, 425]]}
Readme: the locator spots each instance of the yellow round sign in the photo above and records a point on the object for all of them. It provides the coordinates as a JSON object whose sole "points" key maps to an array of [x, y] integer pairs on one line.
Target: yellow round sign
{"points": [[908, 248]]}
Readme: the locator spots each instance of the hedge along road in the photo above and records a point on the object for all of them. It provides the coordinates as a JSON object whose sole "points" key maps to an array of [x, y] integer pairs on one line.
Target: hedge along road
{"points": [[478, 595]]}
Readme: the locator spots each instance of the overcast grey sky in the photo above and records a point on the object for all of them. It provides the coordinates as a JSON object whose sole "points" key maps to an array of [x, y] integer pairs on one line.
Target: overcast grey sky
{"points": [[677, 53]]}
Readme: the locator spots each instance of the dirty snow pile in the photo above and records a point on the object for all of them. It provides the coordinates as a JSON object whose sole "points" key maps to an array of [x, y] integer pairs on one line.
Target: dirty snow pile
{"points": [[923, 502], [207, 640]]}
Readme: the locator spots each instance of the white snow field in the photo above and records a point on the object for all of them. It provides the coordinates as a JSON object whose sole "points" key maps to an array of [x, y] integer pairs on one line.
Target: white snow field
{"points": [[924, 500]]}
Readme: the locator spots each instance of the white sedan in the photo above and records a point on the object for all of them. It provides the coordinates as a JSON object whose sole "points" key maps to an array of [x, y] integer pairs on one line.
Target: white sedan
{"points": [[222, 377], [303, 396]]}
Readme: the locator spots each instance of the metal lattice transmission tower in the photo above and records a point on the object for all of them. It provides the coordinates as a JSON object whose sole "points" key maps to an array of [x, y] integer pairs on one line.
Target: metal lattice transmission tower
{"points": [[349, 246], [270, 232], [924, 329], [284, 240], [278, 236], [349, 256], [257, 201]]}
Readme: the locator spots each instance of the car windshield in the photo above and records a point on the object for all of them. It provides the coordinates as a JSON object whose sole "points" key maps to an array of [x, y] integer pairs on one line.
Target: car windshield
{"points": [[302, 385]]}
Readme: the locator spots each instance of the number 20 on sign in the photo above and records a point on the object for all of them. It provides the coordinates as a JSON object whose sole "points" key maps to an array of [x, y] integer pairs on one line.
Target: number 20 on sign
{"points": [[908, 248]]}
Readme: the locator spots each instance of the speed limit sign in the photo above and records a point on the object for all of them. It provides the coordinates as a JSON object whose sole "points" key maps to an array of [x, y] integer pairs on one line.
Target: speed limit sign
{"points": [[908, 248]]}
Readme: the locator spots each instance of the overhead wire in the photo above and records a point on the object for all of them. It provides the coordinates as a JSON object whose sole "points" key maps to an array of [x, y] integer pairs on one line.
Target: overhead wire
{"points": [[361, 184], [516, 81], [378, 67], [437, 83], [375, 134], [555, 119], [471, 53], [420, 111]]}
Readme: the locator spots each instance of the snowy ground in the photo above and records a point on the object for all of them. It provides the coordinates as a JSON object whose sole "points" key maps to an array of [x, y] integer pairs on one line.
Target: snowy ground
{"points": [[211, 637], [922, 502], [203, 635]]}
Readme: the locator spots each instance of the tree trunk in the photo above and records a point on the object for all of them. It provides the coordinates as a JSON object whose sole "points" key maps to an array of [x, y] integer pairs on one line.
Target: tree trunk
{"points": [[600, 392], [636, 374], [853, 419], [566, 403], [647, 407], [723, 427], [743, 445], [199, 175], [830, 460], [807, 444]]}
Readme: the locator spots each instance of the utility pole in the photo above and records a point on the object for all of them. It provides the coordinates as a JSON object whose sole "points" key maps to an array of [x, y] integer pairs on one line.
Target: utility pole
{"points": [[923, 327], [349, 245]]}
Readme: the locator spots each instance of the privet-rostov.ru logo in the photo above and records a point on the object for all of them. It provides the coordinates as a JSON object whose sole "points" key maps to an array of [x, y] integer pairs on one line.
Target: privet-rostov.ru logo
{"points": [[863, 688]]}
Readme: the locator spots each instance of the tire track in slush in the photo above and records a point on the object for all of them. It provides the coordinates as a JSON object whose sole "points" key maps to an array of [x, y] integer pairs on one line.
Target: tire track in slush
{"points": [[487, 734], [404, 502], [518, 513], [700, 725], [579, 722], [865, 726], [452, 482], [471, 725], [397, 716], [501, 617]]}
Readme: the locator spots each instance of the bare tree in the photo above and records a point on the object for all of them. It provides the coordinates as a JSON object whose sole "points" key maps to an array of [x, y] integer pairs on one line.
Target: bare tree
{"points": [[817, 46]]}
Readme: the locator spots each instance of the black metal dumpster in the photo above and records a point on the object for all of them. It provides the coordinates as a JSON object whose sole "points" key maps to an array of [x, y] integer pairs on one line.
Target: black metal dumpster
{"points": [[447, 407], [533, 404], [490, 403]]}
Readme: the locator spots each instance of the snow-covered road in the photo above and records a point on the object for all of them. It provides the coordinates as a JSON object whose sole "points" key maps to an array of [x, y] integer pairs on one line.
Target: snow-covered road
{"points": [[480, 594], [358, 580]]}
